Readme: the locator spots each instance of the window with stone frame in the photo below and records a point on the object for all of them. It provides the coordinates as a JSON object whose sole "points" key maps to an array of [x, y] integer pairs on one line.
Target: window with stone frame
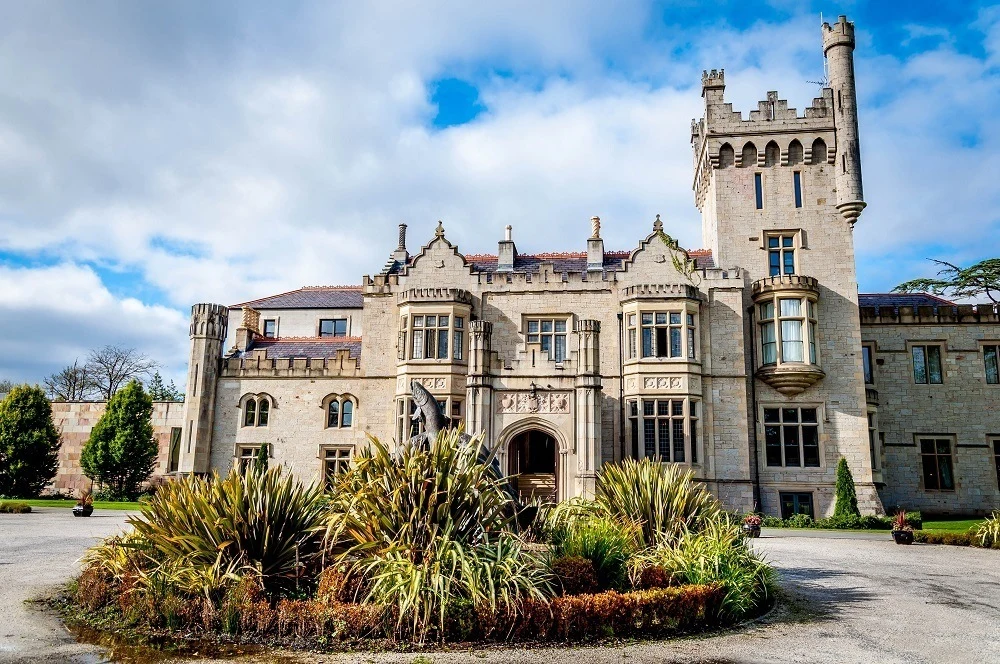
{"points": [[991, 360], [791, 437], [550, 334], [868, 364], [781, 253], [340, 411], [430, 335], [335, 459], [174, 454], [333, 327], [407, 427], [797, 502], [787, 330], [256, 411], [996, 458], [661, 334], [926, 364], [937, 463], [666, 429], [246, 456], [873, 440]]}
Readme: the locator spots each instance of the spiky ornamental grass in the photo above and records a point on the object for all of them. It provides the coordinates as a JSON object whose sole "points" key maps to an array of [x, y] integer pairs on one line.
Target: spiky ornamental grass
{"points": [[988, 532], [662, 498], [427, 527]]}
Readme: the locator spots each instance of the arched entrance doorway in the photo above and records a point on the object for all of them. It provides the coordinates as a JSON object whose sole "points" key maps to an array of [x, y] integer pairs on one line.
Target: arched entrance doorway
{"points": [[532, 457]]}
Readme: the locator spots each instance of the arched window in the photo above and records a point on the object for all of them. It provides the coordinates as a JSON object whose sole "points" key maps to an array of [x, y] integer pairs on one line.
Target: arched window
{"points": [[794, 153], [263, 409], [772, 154], [250, 413], [819, 151], [749, 156], [348, 413], [333, 414], [727, 156]]}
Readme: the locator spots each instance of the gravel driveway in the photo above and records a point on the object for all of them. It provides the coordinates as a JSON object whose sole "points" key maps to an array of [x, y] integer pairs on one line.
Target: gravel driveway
{"points": [[846, 599]]}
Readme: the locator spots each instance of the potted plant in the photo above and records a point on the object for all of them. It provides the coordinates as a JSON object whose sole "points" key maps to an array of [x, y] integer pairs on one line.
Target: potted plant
{"points": [[902, 531], [85, 505], [751, 525]]}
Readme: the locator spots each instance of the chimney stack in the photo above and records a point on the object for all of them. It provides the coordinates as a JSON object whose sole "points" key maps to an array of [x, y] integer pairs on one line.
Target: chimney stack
{"points": [[506, 253], [400, 254], [595, 246]]}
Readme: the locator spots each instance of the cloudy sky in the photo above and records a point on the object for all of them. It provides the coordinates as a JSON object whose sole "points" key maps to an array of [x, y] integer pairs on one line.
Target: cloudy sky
{"points": [[157, 154]]}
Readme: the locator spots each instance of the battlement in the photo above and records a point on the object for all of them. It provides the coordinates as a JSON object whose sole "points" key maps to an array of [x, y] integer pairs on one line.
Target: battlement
{"points": [[435, 295], [962, 314], [659, 291], [209, 320], [715, 78], [257, 365], [840, 33]]}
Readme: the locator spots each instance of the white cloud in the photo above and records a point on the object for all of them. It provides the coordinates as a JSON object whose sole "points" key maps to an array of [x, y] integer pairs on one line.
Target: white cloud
{"points": [[284, 146], [51, 316]]}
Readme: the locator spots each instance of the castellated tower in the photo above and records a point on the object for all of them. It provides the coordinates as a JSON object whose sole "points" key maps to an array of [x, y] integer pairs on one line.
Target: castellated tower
{"points": [[208, 332], [838, 47], [779, 193]]}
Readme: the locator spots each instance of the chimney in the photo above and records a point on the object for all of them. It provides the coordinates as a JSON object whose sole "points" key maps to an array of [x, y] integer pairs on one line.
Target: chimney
{"points": [[400, 254], [506, 253], [595, 246], [248, 330]]}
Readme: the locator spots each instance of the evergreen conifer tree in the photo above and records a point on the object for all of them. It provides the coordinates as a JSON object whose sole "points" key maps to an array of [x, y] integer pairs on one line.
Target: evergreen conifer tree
{"points": [[847, 496], [121, 452], [261, 460], [29, 442]]}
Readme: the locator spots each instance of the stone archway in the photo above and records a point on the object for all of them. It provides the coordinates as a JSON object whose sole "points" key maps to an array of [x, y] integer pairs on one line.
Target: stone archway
{"points": [[534, 452]]}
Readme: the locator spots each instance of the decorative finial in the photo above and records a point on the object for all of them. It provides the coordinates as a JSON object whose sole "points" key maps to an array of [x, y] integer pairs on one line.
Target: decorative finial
{"points": [[402, 238], [440, 229], [507, 233], [657, 225], [595, 227]]}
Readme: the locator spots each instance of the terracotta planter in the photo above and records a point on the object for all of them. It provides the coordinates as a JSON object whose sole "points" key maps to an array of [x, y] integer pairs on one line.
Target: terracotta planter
{"points": [[83, 510], [903, 536]]}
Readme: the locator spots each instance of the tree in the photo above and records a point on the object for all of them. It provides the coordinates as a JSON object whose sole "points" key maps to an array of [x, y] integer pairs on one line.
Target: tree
{"points": [[6, 386], [983, 278], [121, 452], [163, 392], [71, 384], [847, 496], [29, 442], [260, 461], [112, 367]]}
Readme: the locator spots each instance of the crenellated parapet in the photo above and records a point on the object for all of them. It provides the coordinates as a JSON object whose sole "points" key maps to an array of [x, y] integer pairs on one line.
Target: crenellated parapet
{"points": [[659, 292], [257, 365], [415, 295], [209, 321], [962, 314]]}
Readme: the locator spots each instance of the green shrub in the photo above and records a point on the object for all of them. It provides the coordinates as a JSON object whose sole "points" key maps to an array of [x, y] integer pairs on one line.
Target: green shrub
{"points": [[988, 532], [424, 527], [574, 575], [265, 523], [607, 544], [662, 498], [954, 539], [719, 554], [14, 507], [772, 522], [799, 521], [29, 442], [854, 522], [846, 502]]}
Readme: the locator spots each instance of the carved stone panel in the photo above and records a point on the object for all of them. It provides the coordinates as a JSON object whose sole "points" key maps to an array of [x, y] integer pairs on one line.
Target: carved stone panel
{"points": [[525, 402]]}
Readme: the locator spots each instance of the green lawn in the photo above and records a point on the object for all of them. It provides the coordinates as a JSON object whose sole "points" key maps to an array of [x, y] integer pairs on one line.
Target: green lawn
{"points": [[956, 525], [98, 504]]}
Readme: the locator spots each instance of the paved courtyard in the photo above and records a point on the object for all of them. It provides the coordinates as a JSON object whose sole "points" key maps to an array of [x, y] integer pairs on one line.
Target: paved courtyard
{"points": [[847, 599]]}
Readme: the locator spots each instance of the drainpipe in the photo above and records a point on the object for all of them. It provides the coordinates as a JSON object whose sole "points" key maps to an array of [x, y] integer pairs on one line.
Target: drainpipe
{"points": [[621, 383], [754, 455]]}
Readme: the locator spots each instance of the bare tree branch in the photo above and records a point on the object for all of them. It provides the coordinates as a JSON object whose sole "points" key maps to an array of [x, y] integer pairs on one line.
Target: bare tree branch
{"points": [[71, 384], [112, 367]]}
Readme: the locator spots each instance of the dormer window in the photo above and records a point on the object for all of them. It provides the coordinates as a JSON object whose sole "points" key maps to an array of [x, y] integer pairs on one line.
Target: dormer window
{"points": [[270, 327], [550, 333], [333, 327]]}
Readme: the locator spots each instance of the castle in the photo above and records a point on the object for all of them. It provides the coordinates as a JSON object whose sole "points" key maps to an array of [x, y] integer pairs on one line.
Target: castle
{"points": [[753, 362]]}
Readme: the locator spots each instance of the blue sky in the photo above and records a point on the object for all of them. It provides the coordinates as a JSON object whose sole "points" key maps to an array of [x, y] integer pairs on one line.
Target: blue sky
{"points": [[153, 155]]}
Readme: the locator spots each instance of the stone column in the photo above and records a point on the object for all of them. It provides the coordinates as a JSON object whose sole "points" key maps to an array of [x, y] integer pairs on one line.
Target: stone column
{"points": [[479, 397], [588, 408]]}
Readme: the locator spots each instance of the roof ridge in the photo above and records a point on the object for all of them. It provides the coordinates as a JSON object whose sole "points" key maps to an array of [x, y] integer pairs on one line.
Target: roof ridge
{"points": [[323, 339], [340, 287], [266, 297]]}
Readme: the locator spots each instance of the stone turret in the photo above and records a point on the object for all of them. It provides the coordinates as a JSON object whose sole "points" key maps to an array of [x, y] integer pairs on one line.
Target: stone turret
{"points": [[208, 333], [838, 47]]}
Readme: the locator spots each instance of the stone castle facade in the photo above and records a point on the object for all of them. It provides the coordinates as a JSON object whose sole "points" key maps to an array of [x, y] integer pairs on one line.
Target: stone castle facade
{"points": [[752, 362]]}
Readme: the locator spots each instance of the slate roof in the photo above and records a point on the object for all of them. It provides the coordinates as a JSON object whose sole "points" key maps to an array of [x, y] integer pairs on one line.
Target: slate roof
{"points": [[283, 348], [311, 297], [570, 261], [902, 300]]}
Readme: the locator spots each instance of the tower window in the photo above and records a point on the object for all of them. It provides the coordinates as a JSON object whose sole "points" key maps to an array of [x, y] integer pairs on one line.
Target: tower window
{"points": [[797, 183], [781, 254], [791, 437], [758, 190], [991, 355]]}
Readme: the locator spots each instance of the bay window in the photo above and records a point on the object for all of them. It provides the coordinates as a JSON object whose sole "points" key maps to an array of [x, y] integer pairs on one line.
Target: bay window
{"points": [[666, 429], [661, 334], [787, 330], [430, 334]]}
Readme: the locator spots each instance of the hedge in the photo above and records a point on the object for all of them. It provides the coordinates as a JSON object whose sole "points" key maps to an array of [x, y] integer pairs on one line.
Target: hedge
{"points": [[14, 507]]}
